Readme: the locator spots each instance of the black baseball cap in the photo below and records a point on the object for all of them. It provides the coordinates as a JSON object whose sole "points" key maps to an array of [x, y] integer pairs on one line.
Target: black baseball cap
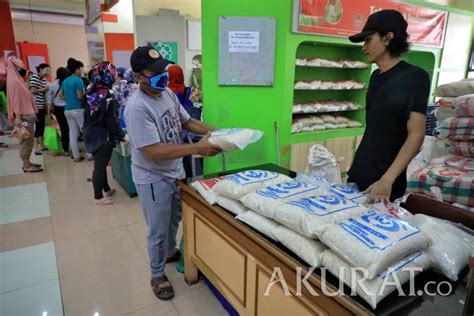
{"points": [[384, 20], [146, 57]]}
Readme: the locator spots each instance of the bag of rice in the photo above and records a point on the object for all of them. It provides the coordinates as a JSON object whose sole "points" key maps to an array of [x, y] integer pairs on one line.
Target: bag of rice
{"points": [[329, 119], [307, 249], [460, 162], [375, 290], [206, 189], [457, 128], [462, 148], [455, 89], [349, 192], [265, 200], [237, 185], [373, 241], [231, 205], [354, 124], [229, 139], [451, 247], [309, 216], [464, 105], [261, 224]]}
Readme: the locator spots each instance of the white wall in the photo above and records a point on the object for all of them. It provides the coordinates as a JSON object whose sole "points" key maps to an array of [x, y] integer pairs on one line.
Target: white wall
{"points": [[124, 12], [190, 8], [167, 29]]}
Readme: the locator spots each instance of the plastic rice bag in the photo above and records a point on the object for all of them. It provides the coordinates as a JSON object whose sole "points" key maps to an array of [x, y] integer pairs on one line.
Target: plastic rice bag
{"points": [[315, 85], [302, 85], [328, 119], [233, 206], [461, 163], [206, 189], [260, 223], [265, 200], [229, 139], [451, 247], [457, 128], [349, 192], [373, 291], [322, 163], [354, 124], [462, 148], [341, 125], [237, 185], [374, 241], [300, 61], [464, 105], [309, 216], [455, 89], [307, 249], [341, 119]]}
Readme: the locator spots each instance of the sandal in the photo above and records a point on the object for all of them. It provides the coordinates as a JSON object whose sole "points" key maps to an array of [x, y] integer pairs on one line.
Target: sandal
{"points": [[104, 201], [35, 165], [32, 169], [174, 258], [162, 288], [3, 145], [38, 153], [79, 159]]}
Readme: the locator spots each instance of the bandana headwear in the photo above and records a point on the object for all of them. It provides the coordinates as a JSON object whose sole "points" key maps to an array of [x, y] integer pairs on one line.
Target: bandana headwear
{"points": [[103, 75]]}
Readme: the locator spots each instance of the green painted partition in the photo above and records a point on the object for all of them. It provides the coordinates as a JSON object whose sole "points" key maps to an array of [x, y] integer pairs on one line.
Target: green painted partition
{"points": [[266, 108]]}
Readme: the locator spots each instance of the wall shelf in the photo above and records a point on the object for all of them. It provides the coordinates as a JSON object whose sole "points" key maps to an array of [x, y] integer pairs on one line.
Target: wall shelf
{"points": [[316, 136]]}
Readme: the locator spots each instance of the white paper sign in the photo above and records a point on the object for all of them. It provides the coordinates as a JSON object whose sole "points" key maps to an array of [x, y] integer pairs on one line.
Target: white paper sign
{"points": [[243, 42]]}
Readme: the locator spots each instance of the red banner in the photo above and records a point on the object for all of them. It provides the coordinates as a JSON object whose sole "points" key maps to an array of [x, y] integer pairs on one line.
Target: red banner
{"points": [[347, 17]]}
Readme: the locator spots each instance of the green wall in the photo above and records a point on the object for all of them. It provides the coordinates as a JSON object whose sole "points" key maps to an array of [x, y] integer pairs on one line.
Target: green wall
{"points": [[261, 107]]}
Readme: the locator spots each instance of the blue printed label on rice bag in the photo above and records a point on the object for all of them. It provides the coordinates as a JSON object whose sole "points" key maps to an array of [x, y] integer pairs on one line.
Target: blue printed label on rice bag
{"points": [[346, 191], [402, 265], [323, 205], [378, 231], [225, 132], [251, 176], [286, 189]]}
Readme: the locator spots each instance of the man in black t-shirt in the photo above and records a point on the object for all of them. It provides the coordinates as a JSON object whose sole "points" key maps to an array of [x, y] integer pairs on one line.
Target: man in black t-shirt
{"points": [[396, 103]]}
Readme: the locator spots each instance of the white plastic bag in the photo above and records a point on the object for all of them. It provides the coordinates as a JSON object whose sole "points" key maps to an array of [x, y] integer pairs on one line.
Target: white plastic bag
{"points": [[321, 163], [231, 205], [260, 223], [206, 189], [451, 247], [350, 192], [237, 185], [307, 249], [309, 216], [374, 241], [265, 200], [229, 139], [373, 291]]}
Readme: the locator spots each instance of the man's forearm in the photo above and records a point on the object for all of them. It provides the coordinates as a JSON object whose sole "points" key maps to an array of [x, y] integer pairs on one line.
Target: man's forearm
{"points": [[169, 151], [197, 127], [405, 155]]}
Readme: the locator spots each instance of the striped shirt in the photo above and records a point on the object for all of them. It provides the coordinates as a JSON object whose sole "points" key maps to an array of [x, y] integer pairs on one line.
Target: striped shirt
{"points": [[36, 82]]}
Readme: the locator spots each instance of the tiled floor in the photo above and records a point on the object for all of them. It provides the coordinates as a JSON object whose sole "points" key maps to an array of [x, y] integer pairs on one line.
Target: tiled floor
{"points": [[62, 255]]}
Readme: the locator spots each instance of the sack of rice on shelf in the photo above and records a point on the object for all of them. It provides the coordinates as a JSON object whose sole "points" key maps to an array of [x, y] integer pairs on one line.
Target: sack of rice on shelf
{"points": [[451, 246], [237, 185], [464, 105], [373, 241], [456, 186], [260, 223], [457, 128], [206, 189], [375, 290], [455, 89], [309, 216], [307, 249], [229, 139], [265, 200], [231, 205], [461, 148]]}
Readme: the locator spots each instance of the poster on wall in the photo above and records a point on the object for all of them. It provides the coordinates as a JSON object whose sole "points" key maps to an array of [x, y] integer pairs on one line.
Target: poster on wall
{"points": [[168, 50], [35, 61], [343, 18], [121, 58], [96, 51]]}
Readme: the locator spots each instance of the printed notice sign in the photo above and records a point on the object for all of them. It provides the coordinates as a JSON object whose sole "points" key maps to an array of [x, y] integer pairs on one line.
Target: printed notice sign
{"points": [[243, 42]]}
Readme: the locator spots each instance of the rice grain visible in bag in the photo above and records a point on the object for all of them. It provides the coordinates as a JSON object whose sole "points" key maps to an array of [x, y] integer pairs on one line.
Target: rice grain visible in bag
{"points": [[309, 216], [260, 223], [373, 291], [451, 247], [237, 185], [233, 206], [373, 241], [307, 249], [265, 200], [229, 139], [206, 189]]}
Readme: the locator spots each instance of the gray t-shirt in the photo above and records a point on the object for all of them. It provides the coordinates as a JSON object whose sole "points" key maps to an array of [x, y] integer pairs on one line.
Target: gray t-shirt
{"points": [[152, 120]]}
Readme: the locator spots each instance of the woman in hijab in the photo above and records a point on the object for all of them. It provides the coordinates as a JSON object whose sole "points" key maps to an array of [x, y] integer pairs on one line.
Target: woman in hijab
{"points": [[123, 88], [176, 83], [22, 110], [101, 128]]}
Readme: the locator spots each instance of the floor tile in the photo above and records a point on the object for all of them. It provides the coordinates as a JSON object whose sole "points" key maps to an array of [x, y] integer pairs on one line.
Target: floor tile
{"points": [[130, 212], [33, 300], [25, 233], [201, 302], [27, 266], [177, 280], [112, 290], [12, 164], [93, 251], [139, 232], [23, 202], [157, 309], [15, 180]]}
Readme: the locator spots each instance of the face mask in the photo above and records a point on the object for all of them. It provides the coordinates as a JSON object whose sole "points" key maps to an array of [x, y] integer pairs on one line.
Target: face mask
{"points": [[22, 72], [159, 81]]}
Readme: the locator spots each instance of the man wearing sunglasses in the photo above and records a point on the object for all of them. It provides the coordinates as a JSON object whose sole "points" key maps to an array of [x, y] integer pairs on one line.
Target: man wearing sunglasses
{"points": [[155, 118]]}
